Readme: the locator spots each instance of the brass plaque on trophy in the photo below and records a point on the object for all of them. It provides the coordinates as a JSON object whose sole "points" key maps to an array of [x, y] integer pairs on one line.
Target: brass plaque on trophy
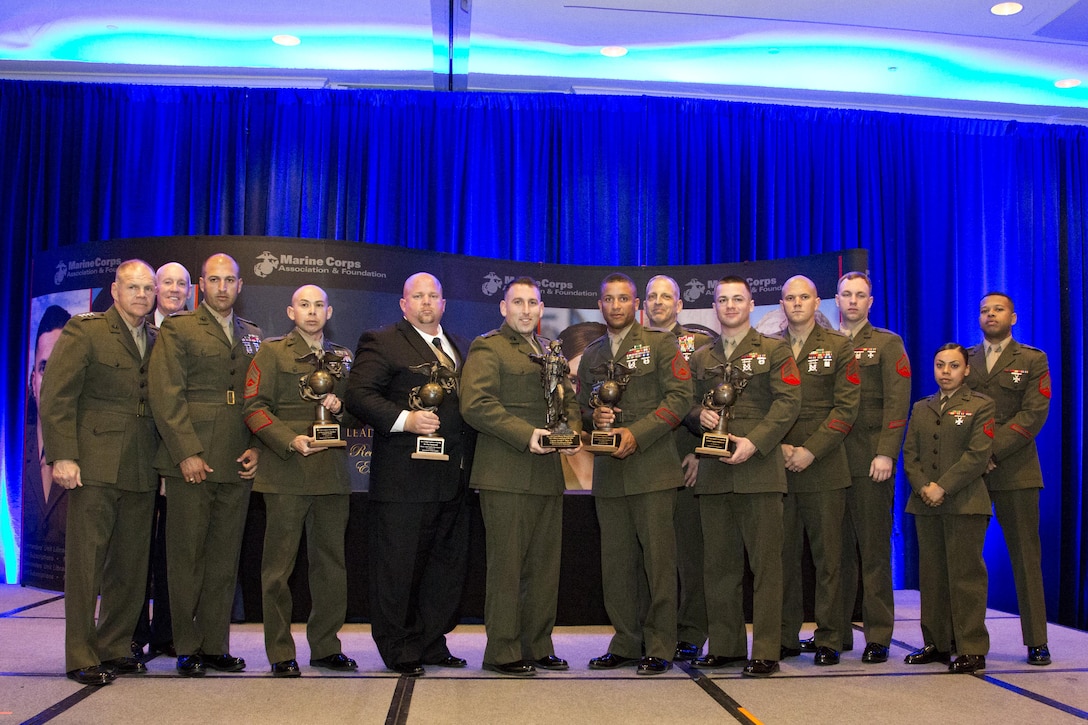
{"points": [[316, 386], [554, 369], [428, 397], [606, 394], [721, 398]]}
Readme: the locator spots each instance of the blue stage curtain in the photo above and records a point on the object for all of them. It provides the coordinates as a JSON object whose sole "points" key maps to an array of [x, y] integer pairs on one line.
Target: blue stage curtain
{"points": [[948, 209]]}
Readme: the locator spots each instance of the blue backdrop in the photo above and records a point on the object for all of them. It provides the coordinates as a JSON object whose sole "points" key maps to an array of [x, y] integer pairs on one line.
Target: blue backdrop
{"points": [[947, 208]]}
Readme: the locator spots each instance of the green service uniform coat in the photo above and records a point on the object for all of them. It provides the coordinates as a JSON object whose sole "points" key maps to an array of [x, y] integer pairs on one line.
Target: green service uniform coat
{"points": [[521, 493], [636, 496], [816, 502], [951, 449], [878, 431], [691, 614], [308, 493], [741, 504], [1020, 387], [95, 411], [197, 378]]}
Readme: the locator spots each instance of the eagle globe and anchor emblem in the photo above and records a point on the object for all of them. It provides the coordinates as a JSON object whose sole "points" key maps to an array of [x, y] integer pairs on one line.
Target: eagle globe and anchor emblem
{"points": [[267, 263]]}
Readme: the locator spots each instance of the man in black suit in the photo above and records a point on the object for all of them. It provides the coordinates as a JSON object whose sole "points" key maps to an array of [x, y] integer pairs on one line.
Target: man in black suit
{"points": [[418, 522]]}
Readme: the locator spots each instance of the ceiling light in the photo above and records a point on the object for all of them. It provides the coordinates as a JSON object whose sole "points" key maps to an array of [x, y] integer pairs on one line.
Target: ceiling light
{"points": [[287, 40], [614, 51], [1067, 83], [1006, 8]]}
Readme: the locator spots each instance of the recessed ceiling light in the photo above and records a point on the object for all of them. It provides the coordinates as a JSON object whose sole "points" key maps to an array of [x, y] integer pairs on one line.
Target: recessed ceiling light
{"points": [[1067, 83], [287, 40], [614, 51], [1006, 8]]}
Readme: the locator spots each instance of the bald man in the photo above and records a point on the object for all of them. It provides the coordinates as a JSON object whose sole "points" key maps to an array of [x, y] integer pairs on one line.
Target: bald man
{"points": [[418, 520], [305, 487], [208, 460], [817, 471]]}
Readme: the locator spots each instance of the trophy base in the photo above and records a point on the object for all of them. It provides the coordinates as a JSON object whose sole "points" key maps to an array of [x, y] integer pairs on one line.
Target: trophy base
{"points": [[430, 448], [715, 445], [603, 443], [559, 440], [326, 435]]}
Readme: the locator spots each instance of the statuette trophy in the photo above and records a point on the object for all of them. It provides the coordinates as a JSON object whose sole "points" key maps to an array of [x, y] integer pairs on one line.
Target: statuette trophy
{"points": [[553, 369]]}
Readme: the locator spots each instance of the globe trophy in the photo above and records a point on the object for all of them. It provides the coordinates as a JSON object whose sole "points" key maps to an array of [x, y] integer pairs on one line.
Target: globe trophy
{"points": [[429, 396], [316, 386], [606, 394], [721, 398]]}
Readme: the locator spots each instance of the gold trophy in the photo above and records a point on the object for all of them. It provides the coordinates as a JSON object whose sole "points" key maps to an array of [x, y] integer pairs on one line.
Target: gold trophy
{"points": [[428, 397], [606, 394], [554, 369], [721, 398], [316, 386]]}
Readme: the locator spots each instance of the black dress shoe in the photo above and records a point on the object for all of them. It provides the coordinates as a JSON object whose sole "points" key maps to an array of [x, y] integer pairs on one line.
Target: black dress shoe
{"points": [[784, 652], [409, 669], [1039, 655], [808, 645], [760, 668], [874, 654], [713, 662], [91, 676], [686, 651], [136, 648], [926, 655], [610, 661], [338, 661], [224, 663], [286, 668], [826, 656], [191, 666], [551, 662], [653, 666], [125, 666], [966, 664], [522, 668], [450, 661]]}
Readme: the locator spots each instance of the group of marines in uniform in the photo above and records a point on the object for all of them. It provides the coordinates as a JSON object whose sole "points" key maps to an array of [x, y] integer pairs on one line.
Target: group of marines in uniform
{"points": [[207, 408]]}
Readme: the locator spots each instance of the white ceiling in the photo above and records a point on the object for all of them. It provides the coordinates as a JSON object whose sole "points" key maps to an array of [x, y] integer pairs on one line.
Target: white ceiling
{"points": [[951, 57]]}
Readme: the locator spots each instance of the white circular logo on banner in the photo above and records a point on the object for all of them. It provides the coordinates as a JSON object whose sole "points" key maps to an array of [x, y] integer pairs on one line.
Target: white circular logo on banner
{"points": [[266, 264]]}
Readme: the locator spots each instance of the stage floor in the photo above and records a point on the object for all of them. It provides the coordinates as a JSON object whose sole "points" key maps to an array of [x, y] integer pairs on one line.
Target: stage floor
{"points": [[33, 687]]}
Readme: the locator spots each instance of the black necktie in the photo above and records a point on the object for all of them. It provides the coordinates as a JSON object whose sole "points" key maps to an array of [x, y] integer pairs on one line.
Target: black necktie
{"points": [[443, 356]]}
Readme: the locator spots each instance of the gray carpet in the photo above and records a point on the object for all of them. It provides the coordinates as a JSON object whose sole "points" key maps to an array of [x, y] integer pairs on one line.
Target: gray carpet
{"points": [[33, 687]]}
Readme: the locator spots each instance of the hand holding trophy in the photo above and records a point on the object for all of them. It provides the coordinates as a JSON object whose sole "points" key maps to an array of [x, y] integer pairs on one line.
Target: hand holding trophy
{"points": [[428, 397], [329, 367], [721, 398], [606, 394], [554, 369]]}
